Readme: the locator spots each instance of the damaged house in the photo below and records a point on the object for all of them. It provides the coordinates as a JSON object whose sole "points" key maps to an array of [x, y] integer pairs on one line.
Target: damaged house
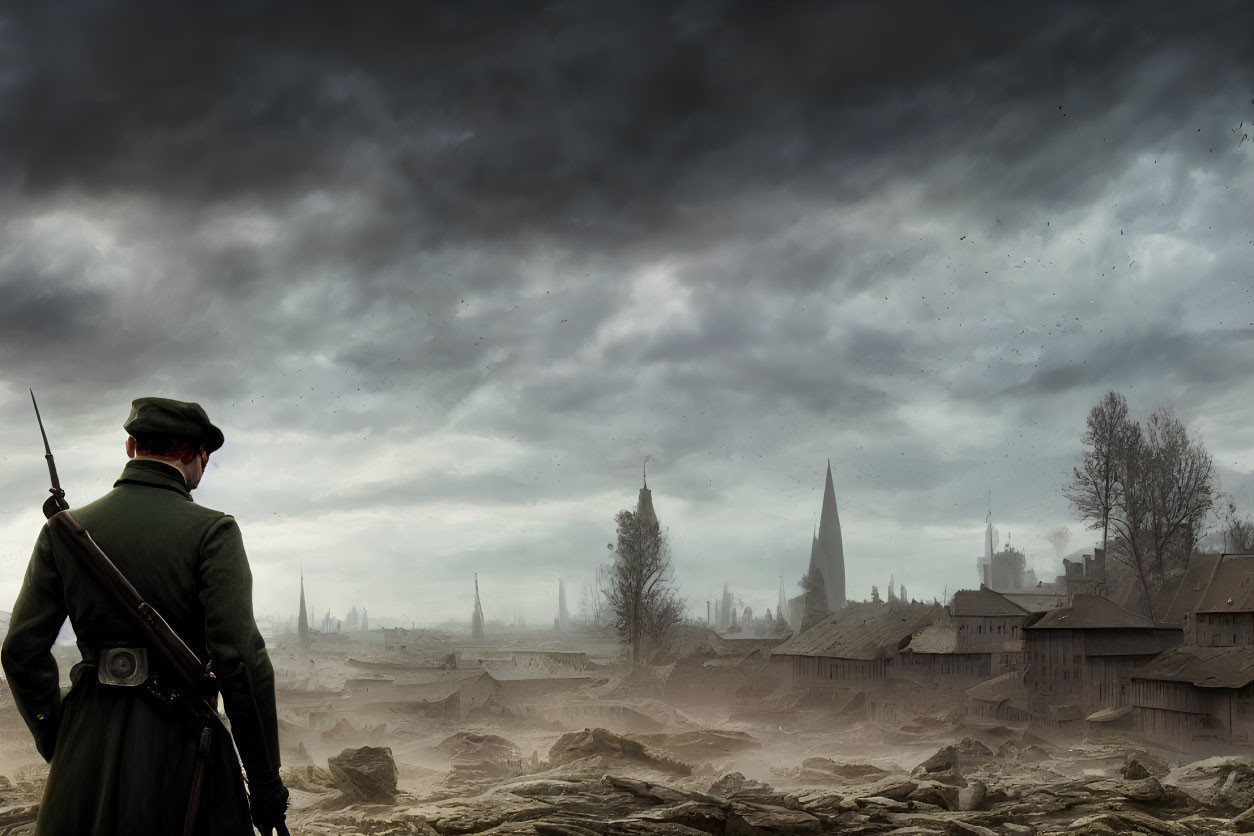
{"points": [[978, 636], [1200, 696], [846, 656], [1081, 659]]}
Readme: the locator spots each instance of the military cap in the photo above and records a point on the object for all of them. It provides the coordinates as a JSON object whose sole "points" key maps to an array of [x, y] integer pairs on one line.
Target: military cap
{"points": [[163, 416]]}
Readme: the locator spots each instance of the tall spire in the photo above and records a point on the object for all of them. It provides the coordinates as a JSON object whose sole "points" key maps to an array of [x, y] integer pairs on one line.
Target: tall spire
{"points": [[476, 618], [302, 620], [782, 608], [831, 546]]}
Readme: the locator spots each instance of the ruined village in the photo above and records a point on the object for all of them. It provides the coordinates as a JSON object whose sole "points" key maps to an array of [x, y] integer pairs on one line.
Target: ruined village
{"points": [[1019, 704]]}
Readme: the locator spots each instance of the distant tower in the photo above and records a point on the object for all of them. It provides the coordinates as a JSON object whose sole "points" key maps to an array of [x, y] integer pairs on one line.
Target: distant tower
{"points": [[782, 609], [830, 547], [726, 616], [476, 618], [563, 614], [365, 620], [985, 566], [302, 620], [644, 506]]}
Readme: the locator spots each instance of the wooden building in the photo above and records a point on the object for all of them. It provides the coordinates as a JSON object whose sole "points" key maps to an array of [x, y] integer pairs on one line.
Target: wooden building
{"points": [[1081, 659], [978, 636], [849, 649], [1224, 617], [1193, 699], [1200, 696]]}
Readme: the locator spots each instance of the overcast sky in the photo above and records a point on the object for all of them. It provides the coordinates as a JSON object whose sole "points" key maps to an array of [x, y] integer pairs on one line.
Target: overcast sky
{"points": [[446, 275]]}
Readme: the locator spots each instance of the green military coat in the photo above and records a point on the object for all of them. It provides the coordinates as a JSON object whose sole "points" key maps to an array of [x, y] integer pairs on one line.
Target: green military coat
{"points": [[122, 762]]}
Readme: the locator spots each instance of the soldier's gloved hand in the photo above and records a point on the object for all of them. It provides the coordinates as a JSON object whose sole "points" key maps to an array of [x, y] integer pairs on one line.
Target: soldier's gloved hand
{"points": [[267, 804]]}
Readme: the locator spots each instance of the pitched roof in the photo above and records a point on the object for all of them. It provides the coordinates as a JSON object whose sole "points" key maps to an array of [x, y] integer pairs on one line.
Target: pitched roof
{"points": [[983, 602], [860, 631], [1187, 593], [1090, 612], [940, 636], [1232, 586], [1037, 601], [1179, 597], [1205, 667]]}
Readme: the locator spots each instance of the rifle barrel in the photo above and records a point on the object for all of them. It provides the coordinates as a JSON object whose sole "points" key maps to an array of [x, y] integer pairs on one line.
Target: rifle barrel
{"points": [[52, 465]]}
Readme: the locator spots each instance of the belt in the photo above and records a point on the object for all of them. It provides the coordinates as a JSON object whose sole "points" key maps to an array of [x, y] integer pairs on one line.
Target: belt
{"points": [[123, 666]]}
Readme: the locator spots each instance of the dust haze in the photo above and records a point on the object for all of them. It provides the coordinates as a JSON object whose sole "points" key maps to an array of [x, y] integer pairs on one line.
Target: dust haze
{"points": [[710, 417]]}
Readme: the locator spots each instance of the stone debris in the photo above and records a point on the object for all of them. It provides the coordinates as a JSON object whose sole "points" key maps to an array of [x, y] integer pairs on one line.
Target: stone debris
{"points": [[367, 774], [1143, 765], [735, 783], [973, 796], [1225, 784], [477, 757], [942, 767], [971, 750]]}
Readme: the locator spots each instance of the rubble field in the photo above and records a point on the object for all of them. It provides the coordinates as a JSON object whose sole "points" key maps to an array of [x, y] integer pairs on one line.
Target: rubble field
{"points": [[434, 740]]}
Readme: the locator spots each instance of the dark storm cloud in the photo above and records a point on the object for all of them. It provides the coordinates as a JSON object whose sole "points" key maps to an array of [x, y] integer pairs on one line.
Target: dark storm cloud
{"points": [[582, 119]]}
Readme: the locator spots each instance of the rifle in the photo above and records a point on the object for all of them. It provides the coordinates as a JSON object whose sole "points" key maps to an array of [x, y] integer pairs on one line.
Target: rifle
{"points": [[183, 683]]}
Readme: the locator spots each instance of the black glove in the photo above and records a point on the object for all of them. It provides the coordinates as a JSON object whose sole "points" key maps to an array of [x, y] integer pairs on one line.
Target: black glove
{"points": [[267, 804]]}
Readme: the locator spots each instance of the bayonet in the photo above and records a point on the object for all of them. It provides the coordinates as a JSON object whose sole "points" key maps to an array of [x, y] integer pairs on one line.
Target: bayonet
{"points": [[56, 502]]}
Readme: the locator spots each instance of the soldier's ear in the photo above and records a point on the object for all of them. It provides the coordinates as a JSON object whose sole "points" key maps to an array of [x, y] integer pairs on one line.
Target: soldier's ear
{"points": [[130, 447]]}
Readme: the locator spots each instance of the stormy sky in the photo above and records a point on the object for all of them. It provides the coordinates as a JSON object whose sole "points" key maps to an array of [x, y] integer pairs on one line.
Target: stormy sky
{"points": [[446, 274]]}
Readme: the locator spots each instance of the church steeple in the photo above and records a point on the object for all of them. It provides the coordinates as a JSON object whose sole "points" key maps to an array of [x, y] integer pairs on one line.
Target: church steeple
{"points": [[828, 549], [476, 618], [302, 620], [644, 505]]}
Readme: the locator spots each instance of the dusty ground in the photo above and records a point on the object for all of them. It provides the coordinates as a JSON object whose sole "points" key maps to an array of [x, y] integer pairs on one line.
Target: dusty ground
{"points": [[459, 752]]}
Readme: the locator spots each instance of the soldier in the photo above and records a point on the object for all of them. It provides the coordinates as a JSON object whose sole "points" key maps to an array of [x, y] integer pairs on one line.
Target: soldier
{"points": [[122, 762]]}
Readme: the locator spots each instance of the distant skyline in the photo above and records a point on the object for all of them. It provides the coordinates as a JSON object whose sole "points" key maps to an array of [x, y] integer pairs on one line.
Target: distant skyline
{"points": [[446, 274]]}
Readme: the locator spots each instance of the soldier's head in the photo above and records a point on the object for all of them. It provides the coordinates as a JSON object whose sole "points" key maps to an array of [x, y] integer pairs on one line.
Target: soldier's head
{"points": [[176, 432]]}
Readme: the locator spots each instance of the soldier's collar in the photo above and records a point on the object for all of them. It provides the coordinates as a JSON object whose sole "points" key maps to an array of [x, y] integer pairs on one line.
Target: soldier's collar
{"points": [[153, 474]]}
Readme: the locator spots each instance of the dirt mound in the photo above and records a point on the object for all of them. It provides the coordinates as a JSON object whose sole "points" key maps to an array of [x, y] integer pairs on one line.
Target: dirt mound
{"points": [[611, 750]]}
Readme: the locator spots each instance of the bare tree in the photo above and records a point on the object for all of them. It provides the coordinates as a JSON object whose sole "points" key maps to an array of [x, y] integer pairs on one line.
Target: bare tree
{"points": [[641, 591], [1182, 484], [1164, 486], [1238, 531], [1092, 487], [1129, 514]]}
